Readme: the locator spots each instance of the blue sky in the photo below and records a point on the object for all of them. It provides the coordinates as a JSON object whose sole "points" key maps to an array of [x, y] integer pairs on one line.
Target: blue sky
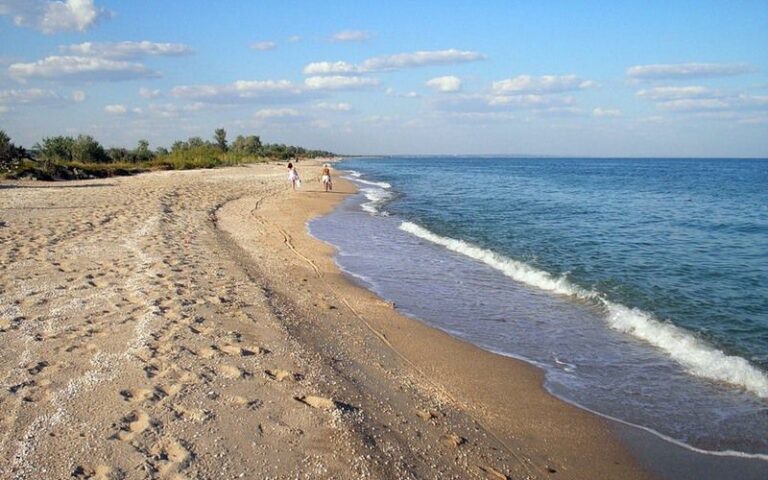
{"points": [[574, 78]]}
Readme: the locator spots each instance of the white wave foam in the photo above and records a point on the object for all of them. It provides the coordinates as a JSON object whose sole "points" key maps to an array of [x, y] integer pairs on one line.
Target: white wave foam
{"points": [[355, 173], [376, 197], [694, 354], [375, 184]]}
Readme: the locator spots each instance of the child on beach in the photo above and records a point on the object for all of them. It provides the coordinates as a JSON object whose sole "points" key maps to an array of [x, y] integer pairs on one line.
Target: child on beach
{"points": [[293, 176], [327, 178]]}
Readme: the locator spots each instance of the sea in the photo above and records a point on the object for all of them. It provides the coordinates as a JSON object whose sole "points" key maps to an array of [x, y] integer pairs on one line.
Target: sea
{"points": [[639, 286]]}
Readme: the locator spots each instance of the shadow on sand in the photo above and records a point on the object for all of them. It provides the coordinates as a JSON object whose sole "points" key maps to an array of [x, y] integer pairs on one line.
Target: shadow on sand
{"points": [[90, 185]]}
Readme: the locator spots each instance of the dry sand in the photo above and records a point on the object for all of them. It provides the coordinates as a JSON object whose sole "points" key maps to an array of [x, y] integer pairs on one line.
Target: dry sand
{"points": [[184, 325]]}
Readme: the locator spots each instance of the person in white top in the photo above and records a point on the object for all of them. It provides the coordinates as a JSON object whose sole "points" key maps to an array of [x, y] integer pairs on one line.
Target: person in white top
{"points": [[327, 178], [293, 176]]}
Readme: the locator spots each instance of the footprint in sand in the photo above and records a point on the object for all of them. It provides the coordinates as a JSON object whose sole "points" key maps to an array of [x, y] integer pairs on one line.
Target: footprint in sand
{"points": [[99, 472], [38, 367], [236, 351], [281, 375], [208, 352], [197, 415], [244, 402], [133, 424], [138, 395], [232, 372], [168, 456]]}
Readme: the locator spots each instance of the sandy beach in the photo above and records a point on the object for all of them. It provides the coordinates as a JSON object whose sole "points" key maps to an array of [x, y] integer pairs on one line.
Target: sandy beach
{"points": [[185, 325]]}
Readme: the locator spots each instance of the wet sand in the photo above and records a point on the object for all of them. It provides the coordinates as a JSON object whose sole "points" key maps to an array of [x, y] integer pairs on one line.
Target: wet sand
{"points": [[185, 325]]}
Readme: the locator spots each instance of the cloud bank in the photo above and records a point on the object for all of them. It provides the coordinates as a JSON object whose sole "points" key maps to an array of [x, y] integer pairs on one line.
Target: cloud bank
{"points": [[80, 68], [126, 50], [351, 36], [52, 17], [394, 62], [686, 71]]}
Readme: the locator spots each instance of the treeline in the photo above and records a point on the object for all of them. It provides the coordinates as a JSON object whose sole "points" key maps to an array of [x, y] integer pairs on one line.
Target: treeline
{"points": [[84, 157]]}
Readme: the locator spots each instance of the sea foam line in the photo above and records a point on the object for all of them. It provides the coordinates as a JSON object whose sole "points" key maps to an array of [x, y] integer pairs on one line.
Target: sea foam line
{"points": [[695, 355], [375, 184], [375, 197]]}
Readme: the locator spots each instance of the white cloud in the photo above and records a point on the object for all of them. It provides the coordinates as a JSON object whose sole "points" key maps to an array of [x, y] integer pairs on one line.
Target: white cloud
{"points": [[489, 102], [148, 93], [686, 70], [393, 93], [394, 62], [351, 36], [50, 16], [698, 99], [448, 83], [264, 46], [676, 93], [294, 38], [116, 109], [276, 113], [169, 110], [239, 90], [330, 68], [606, 112], [339, 82], [529, 101], [740, 102], [81, 68], [334, 107], [541, 85], [78, 96], [123, 50], [420, 59], [27, 96]]}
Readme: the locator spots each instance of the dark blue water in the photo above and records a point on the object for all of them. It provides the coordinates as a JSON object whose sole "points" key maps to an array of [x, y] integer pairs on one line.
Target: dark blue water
{"points": [[639, 285]]}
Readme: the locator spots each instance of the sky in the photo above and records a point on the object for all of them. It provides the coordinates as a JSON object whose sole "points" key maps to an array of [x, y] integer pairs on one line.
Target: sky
{"points": [[571, 78]]}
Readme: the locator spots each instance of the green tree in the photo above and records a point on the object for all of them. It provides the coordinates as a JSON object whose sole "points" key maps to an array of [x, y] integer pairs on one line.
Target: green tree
{"points": [[87, 150], [250, 145], [220, 135], [159, 151], [55, 149], [10, 154], [178, 146], [195, 142], [119, 155], [142, 152]]}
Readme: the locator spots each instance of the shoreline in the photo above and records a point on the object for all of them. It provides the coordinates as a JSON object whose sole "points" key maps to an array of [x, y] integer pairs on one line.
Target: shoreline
{"points": [[185, 323], [517, 409], [658, 453]]}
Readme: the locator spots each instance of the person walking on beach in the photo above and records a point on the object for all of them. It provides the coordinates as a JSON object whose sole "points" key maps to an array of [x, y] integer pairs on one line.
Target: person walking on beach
{"points": [[327, 178], [293, 176]]}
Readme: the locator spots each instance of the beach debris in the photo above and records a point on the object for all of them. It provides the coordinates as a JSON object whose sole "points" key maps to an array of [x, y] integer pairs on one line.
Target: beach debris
{"points": [[317, 402], [452, 440], [492, 474], [426, 415]]}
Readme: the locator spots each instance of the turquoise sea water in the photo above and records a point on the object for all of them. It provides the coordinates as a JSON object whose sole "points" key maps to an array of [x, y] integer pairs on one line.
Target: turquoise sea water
{"points": [[639, 285]]}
